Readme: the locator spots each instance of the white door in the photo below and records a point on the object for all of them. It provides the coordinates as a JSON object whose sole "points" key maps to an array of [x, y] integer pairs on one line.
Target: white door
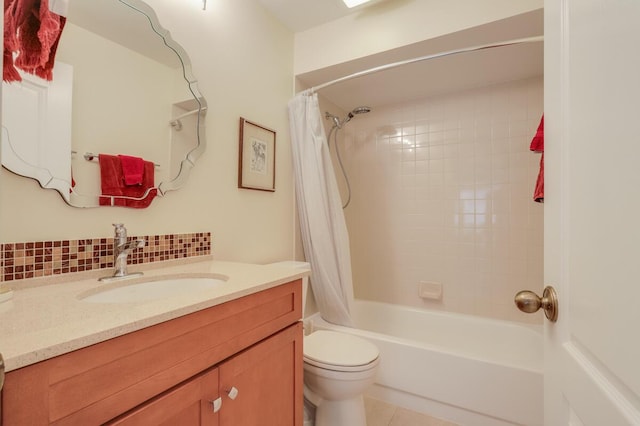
{"points": [[592, 211], [36, 128]]}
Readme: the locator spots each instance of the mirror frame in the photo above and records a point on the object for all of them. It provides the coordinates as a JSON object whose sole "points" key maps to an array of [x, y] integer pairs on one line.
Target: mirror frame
{"points": [[186, 164], [190, 159]]}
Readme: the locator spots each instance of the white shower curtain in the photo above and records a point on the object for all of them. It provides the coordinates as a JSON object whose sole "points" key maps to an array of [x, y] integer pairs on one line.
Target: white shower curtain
{"points": [[324, 231]]}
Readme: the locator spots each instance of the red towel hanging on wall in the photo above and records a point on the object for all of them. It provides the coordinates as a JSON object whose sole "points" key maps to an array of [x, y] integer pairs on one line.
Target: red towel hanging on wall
{"points": [[537, 145], [32, 32]]}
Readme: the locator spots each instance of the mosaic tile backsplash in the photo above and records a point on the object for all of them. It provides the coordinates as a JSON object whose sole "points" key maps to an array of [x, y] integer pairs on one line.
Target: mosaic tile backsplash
{"points": [[45, 258]]}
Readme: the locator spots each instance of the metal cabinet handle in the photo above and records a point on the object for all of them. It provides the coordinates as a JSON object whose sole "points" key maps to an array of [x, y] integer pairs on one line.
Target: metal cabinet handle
{"points": [[529, 302], [233, 392], [217, 404]]}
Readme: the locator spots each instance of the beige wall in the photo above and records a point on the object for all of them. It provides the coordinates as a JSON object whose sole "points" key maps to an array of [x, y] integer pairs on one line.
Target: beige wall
{"points": [[243, 60], [392, 24]]}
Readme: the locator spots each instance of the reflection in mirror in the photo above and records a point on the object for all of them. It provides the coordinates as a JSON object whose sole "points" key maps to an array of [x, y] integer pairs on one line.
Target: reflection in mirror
{"points": [[121, 86]]}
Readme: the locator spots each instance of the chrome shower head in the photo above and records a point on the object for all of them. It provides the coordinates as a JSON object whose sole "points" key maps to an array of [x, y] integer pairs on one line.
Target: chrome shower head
{"points": [[361, 110], [356, 111], [336, 121]]}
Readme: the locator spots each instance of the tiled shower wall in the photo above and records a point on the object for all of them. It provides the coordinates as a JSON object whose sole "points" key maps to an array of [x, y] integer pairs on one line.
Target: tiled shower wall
{"points": [[36, 259], [442, 193]]}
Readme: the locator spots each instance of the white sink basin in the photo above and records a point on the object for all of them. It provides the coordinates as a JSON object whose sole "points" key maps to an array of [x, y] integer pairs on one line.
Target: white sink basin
{"points": [[144, 290]]}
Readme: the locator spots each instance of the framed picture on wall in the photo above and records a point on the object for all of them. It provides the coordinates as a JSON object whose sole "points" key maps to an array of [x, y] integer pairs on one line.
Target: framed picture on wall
{"points": [[257, 160]]}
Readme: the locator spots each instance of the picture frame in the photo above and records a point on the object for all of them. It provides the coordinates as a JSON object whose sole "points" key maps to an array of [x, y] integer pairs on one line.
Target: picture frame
{"points": [[257, 159]]}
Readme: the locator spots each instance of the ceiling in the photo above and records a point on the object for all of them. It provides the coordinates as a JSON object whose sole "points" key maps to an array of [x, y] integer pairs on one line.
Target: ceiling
{"points": [[300, 15], [128, 25], [425, 78]]}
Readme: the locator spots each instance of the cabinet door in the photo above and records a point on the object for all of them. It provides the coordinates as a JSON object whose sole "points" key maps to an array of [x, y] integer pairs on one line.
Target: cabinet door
{"points": [[262, 386], [189, 404]]}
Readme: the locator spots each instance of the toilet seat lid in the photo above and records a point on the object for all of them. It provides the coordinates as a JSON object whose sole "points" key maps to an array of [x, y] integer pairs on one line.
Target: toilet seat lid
{"points": [[339, 349]]}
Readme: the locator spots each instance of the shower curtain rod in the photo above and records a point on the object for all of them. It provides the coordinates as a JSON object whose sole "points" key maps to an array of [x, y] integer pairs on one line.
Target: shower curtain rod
{"points": [[420, 59]]}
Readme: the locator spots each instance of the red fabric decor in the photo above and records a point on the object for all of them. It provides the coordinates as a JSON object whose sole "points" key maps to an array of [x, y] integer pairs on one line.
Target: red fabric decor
{"points": [[114, 188], [538, 193], [31, 31], [9, 71], [537, 145], [132, 169]]}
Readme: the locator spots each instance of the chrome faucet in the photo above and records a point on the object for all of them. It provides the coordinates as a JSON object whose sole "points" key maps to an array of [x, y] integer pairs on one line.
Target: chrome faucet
{"points": [[121, 250]]}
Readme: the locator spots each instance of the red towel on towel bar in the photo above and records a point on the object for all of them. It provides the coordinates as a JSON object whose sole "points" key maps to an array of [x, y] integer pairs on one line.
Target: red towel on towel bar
{"points": [[132, 169], [537, 145], [114, 188]]}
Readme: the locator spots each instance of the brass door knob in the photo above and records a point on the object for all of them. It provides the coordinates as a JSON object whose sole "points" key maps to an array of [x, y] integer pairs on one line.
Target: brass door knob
{"points": [[529, 302]]}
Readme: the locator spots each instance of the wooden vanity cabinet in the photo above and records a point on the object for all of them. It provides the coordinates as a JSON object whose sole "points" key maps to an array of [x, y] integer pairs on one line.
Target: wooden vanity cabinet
{"points": [[262, 376], [187, 404], [247, 352]]}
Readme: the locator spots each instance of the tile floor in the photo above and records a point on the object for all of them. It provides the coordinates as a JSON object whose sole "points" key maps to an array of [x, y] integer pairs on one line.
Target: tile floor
{"points": [[380, 413]]}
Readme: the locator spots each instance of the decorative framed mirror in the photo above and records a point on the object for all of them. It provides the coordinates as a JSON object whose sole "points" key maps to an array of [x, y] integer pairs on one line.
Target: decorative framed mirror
{"points": [[121, 87]]}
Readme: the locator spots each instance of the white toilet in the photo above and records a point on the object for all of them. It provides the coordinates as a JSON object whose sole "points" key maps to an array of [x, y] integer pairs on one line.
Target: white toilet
{"points": [[338, 368]]}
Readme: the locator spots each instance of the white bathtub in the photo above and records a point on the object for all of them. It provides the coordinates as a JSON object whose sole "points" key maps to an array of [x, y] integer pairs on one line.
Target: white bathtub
{"points": [[466, 369]]}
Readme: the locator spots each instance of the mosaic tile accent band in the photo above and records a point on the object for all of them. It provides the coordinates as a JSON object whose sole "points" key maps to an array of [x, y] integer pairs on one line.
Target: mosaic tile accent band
{"points": [[45, 258]]}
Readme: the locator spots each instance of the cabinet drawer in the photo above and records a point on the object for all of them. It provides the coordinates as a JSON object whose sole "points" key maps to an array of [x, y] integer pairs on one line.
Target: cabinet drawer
{"points": [[99, 382]]}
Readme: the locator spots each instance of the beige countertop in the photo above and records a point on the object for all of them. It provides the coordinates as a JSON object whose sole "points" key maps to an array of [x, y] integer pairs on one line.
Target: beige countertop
{"points": [[43, 321]]}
